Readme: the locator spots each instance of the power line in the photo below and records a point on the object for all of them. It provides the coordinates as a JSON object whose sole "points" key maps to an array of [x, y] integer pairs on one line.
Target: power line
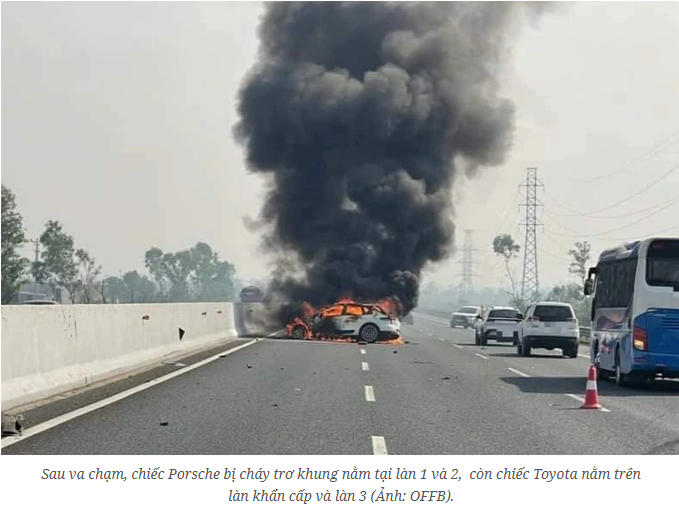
{"points": [[663, 145], [602, 233], [672, 200], [629, 197]]}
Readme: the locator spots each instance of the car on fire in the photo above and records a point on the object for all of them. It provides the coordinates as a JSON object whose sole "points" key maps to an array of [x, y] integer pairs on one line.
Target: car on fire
{"points": [[362, 322]]}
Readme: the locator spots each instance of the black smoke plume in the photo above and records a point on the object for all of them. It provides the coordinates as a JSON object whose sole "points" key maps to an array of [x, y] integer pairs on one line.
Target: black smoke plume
{"points": [[364, 114]]}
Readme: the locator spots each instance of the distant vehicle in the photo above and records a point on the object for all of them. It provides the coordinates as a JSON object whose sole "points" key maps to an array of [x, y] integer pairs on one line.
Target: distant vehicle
{"points": [[465, 316], [251, 294], [548, 325], [365, 322], [500, 323], [408, 319], [39, 302], [635, 311]]}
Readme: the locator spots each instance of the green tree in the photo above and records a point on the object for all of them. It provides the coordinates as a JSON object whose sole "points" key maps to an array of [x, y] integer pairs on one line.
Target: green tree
{"points": [[13, 237], [504, 246], [196, 274], [154, 263], [88, 281], [580, 255], [57, 265], [114, 290]]}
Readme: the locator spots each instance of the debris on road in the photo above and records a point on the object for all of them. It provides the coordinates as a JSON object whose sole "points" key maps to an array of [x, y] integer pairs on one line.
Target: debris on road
{"points": [[249, 366], [11, 425], [164, 423]]}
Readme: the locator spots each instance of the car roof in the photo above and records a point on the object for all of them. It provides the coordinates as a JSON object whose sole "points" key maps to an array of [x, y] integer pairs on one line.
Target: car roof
{"points": [[503, 308], [551, 303]]}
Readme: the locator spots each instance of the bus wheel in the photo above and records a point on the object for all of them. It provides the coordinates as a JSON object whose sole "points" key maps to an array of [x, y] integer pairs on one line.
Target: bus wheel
{"points": [[621, 379], [602, 374]]}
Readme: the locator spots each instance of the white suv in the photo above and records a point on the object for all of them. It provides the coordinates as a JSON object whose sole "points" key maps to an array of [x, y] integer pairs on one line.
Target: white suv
{"points": [[549, 325], [499, 323]]}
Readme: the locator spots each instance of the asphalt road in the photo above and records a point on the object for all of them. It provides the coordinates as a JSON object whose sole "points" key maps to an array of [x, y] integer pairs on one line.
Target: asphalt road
{"points": [[436, 394]]}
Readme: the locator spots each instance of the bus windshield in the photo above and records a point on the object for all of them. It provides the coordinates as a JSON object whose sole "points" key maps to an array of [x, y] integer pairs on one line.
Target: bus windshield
{"points": [[662, 263]]}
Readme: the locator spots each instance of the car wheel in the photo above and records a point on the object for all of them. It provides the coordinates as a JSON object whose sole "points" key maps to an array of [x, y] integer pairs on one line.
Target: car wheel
{"points": [[477, 339], [525, 350], [298, 332], [571, 352], [484, 340], [621, 379], [519, 351], [369, 333]]}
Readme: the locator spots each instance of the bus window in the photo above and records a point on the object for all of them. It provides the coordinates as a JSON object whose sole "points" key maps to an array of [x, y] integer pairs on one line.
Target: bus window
{"points": [[615, 283], [662, 263]]}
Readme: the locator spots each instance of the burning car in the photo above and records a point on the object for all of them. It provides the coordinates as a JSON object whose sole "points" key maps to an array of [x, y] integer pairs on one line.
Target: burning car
{"points": [[358, 321]]}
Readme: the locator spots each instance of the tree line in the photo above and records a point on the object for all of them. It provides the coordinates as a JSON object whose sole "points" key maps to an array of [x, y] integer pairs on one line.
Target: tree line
{"points": [[195, 274]]}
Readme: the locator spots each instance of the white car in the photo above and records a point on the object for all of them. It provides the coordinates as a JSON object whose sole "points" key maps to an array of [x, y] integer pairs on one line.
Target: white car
{"points": [[363, 322], [549, 325], [499, 323], [465, 316]]}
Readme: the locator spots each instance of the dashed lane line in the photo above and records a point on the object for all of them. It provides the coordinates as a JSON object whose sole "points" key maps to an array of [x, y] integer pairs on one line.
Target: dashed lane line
{"points": [[369, 393], [363, 352], [582, 400], [39, 428], [457, 346], [519, 372], [481, 356], [583, 355], [365, 366], [379, 446]]}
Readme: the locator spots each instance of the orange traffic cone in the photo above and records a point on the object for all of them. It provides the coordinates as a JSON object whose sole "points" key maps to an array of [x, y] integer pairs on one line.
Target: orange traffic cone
{"points": [[591, 394]]}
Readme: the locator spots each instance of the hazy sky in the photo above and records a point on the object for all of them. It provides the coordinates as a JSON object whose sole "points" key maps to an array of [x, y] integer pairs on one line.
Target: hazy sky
{"points": [[117, 121]]}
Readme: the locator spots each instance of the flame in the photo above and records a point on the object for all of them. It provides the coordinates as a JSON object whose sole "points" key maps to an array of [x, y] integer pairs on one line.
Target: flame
{"points": [[299, 322], [389, 305]]}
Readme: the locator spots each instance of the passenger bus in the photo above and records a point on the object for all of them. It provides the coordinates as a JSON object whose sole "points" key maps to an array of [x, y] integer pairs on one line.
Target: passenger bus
{"points": [[635, 311]]}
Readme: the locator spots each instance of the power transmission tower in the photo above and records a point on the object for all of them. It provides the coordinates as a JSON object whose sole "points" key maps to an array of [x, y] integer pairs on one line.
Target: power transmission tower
{"points": [[467, 285], [530, 283]]}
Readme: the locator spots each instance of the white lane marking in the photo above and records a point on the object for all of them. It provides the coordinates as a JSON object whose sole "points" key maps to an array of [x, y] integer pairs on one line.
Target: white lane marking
{"points": [[39, 428], [441, 339], [275, 333], [582, 400], [369, 393], [481, 356], [363, 351], [457, 346], [519, 372], [365, 366], [583, 355], [379, 446]]}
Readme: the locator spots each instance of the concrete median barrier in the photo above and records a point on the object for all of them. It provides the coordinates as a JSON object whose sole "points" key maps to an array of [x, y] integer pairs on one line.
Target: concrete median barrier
{"points": [[48, 350]]}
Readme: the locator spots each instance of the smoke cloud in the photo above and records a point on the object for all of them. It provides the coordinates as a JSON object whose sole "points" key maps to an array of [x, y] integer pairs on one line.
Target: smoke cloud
{"points": [[363, 115]]}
